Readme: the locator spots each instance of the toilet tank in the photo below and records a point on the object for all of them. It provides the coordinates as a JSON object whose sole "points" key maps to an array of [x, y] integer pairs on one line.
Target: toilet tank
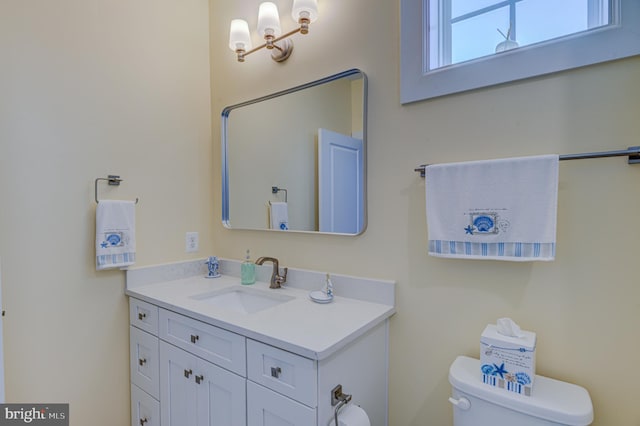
{"points": [[551, 403]]}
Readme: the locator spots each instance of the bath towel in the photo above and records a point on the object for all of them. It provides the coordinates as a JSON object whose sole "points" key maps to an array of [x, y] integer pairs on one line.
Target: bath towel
{"points": [[279, 214], [494, 209], [115, 234]]}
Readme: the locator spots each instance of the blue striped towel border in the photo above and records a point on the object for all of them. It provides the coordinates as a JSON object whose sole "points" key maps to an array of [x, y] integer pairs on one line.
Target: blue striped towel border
{"points": [[502, 251], [119, 260]]}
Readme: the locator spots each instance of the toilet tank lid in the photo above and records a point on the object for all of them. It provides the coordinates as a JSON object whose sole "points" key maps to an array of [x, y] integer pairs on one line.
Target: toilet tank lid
{"points": [[550, 399]]}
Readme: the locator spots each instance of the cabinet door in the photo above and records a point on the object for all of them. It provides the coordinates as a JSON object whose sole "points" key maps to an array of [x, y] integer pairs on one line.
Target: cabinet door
{"points": [[177, 386], [268, 408], [221, 396]]}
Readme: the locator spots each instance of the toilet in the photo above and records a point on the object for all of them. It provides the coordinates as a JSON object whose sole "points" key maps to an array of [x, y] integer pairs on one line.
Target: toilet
{"points": [[552, 402]]}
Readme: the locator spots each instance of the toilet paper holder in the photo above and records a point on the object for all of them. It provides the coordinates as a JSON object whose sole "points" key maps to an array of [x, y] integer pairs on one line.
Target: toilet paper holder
{"points": [[338, 399]]}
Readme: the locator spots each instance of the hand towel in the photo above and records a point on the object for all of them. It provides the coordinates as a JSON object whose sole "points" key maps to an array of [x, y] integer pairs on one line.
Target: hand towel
{"points": [[502, 209], [115, 234], [279, 214]]}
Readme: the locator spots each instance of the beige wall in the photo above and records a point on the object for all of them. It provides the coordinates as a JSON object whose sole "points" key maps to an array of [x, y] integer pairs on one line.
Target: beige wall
{"points": [[584, 306], [89, 88]]}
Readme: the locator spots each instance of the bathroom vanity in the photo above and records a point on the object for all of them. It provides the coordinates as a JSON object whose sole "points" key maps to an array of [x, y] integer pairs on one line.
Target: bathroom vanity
{"points": [[211, 351]]}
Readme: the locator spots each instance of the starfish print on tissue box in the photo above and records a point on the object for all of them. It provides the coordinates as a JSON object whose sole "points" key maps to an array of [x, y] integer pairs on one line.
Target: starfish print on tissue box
{"points": [[508, 357]]}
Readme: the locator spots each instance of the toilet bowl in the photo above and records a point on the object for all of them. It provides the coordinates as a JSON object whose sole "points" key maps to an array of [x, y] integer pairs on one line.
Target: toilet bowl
{"points": [[551, 403]]}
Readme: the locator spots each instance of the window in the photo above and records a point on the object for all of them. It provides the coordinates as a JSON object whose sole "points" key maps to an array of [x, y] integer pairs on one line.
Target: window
{"points": [[462, 30], [450, 46]]}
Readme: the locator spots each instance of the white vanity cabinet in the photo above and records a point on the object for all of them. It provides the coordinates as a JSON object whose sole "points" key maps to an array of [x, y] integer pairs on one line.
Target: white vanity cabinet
{"points": [[199, 363], [190, 373]]}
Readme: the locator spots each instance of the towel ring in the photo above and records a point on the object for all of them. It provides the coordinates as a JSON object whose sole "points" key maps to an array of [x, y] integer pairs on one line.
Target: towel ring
{"points": [[275, 190], [113, 180]]}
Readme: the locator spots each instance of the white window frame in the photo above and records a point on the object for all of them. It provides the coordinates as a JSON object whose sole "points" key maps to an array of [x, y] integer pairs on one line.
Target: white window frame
{"points": [[618, 40]]}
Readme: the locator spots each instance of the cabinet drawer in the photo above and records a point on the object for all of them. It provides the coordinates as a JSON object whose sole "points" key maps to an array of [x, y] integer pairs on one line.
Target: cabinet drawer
{"points": [[287, 373], [143, 315], [214, 344], [145, 411], [267, 408], [144, 356]]}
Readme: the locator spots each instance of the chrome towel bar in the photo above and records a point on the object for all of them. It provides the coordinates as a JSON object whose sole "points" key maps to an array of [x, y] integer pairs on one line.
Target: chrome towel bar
{"points": [[113, 180], [632, 152]]}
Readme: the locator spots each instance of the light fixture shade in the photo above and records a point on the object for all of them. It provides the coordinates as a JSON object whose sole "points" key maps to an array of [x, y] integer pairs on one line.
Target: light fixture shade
{"points": [[305, 7], [268, 20], [239, 35]]}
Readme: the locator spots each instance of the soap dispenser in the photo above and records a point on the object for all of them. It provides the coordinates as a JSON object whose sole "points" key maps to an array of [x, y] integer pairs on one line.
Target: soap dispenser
{"points": [[325, 295], [329, 286], [247, 271]]}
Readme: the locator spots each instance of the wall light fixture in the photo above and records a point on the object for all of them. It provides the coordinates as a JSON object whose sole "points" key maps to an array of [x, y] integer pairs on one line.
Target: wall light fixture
{"points": [[303, 11]]}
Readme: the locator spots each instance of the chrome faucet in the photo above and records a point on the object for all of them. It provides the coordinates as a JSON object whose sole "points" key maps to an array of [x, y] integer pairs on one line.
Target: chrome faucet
{"points": [[276, 279]]}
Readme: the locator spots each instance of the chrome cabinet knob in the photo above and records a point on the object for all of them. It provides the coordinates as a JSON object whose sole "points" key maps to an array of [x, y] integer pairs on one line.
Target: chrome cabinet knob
{"points": [[275, 372]]}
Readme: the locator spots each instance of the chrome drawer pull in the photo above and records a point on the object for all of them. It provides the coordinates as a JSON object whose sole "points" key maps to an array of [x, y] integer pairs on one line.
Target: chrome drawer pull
{"points": [[195, 338], [199, 379], [275, 372], [187, 373], [142, 361]]}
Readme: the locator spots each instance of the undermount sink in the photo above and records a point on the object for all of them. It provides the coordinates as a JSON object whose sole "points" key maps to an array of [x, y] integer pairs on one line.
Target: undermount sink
{"points": [[242, 299]]}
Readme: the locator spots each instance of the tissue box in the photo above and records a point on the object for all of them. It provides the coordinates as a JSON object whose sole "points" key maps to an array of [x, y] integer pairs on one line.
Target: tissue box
{"points": [[508, 362]]}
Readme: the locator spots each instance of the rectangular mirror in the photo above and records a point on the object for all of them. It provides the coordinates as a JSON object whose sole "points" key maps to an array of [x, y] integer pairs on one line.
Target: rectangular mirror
{"points": [[295, 160]]}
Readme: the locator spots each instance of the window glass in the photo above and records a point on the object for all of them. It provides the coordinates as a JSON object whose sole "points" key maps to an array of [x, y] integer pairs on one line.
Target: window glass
{"points": [[478, 36], [536, 23], [462, 7], [462, 30]]}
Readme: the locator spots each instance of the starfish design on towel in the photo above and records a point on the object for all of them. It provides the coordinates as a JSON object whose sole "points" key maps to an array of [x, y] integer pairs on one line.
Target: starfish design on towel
{"points": [[104, 244], [469, 230], [500, 371]]}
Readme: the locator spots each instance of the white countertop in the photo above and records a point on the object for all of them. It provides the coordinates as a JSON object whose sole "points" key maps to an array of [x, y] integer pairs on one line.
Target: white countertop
{"points": [[299, 325]]}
